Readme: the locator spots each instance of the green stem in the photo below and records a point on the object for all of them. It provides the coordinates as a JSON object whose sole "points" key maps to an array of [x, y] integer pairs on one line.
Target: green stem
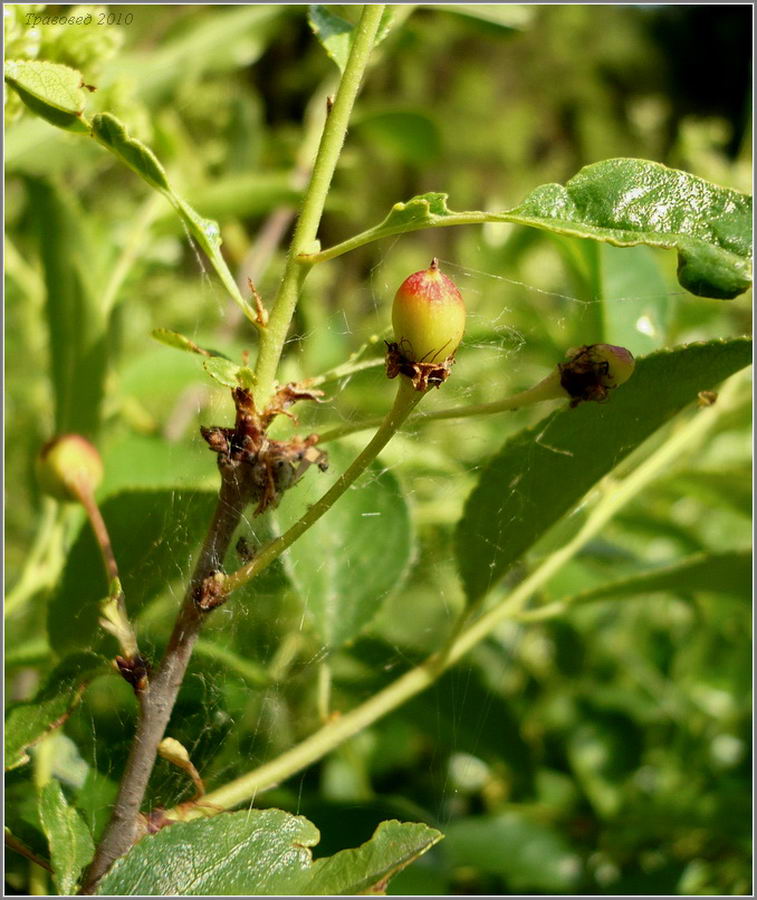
{"points": [[338, 730], [548, 389], [272, 338], [405, 401], [378, 232]]}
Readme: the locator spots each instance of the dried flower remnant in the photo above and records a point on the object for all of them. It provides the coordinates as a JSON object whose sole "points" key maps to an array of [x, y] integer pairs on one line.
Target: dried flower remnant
{"points": [[264, 468], [593, 370]]}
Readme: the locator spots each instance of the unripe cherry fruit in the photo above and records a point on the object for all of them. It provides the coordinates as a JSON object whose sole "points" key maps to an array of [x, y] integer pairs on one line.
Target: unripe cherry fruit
{"points": [[69, 466], [428, 316]]}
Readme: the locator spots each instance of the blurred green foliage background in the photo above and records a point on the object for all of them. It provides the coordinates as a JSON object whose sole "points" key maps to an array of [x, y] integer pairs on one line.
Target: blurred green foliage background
{"points": [[607, 751]]}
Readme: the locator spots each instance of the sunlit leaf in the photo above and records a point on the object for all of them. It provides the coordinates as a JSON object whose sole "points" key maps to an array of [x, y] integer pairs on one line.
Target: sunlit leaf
{"points": [[224, 371], [624, 202], [112, 133], [262, 852], [334, 33], [52, 91]]}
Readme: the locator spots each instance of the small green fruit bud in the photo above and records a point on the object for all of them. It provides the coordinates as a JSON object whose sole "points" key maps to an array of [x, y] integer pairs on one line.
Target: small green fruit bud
{"points": [[67, 466], [428, 316]]}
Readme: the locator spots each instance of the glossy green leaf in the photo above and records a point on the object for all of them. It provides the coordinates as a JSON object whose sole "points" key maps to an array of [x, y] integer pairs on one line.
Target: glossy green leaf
{"points": [[71, 846], [77, 329], [154, 534], [531, 856], [542, 472], [635, 201], [52, 91], [261, 852], [28, 722], [624, 202], [718, 573], [355, 555], [112, 133]]}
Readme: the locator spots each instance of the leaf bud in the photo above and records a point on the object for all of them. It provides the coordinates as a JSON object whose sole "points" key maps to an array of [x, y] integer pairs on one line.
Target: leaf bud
{"points": [[69, 466]]}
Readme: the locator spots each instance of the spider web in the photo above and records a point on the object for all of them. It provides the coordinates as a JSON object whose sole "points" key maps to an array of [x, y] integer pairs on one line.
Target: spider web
{"points": [[250, 692]]}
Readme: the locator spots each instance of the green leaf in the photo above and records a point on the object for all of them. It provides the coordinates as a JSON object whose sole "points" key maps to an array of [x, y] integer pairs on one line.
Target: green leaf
{"points": [[635, 201], [349, 562], [50, 90], [541, 473], [532, 857], [718, 573], [246, 377], [224, 371], [77, 329], [110, 132], [181, 342], [153, 534], [261, 852], [624, 202], [71, 846], [208, 235], [333, 32], [28, 722]]}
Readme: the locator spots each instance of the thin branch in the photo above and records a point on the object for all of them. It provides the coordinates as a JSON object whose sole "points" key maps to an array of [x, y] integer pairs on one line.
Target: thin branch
{"points": [[545, 390], [158, 698], [13, 843], [157, 701], [405, 401], [340, 729], [335, 129]]}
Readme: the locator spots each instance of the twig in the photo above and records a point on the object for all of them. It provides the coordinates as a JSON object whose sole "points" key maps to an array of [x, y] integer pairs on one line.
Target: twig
{"points": [[159, 696], [405, 401], [157, 701], [272, 339], [13, 843], [511, 606]]}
